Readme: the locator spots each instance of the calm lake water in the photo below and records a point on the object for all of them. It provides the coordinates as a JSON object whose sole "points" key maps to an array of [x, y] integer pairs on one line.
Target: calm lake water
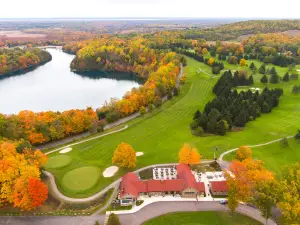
{"points": [[54, 87]]}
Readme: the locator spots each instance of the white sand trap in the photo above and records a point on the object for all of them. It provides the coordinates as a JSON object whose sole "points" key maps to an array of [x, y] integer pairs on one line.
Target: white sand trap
{"points": [[139, 153], [110, 171], [66, 150]]}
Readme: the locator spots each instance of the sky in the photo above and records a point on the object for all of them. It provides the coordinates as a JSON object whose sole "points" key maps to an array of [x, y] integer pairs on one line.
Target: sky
{"points": [[149, 8]]}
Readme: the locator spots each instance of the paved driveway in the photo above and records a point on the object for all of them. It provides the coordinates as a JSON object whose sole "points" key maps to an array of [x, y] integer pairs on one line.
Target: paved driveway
{"points": [[148, 212]]}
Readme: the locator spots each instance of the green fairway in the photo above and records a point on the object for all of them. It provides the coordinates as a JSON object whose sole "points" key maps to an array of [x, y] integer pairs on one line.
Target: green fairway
{"points": [[202, 218], [58, 161], [81, 179], [275, 155], [160, 134]]}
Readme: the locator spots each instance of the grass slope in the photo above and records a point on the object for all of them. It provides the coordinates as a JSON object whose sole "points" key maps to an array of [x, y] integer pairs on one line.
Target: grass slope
{"points": [[160, 134], [202, 218]]}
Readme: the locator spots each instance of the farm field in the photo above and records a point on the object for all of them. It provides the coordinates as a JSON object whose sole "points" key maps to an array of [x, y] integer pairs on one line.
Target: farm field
{"points": [[207, 218], [161, 134]]}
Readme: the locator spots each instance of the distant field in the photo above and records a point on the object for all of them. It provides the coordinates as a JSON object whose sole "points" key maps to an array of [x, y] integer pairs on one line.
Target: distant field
{"points": [[202, 218], [161, 134], [20, 34]]}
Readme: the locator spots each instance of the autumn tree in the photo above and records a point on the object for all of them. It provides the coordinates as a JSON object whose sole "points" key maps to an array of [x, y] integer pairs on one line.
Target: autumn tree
{"points": [[28, 194], [289, 203], [243, 62], [189, 155], [266, 195], [232, 201], [244, 176], [204, 51], [244, 152], [20, 177], [211, 61], [124, 156]]}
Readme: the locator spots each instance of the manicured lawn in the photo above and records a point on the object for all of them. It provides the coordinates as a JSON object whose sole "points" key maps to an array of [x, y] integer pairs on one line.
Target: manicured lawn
{"points": [[202, 218], [161, 134], [58, 161], [275, 155], [81, 179]]}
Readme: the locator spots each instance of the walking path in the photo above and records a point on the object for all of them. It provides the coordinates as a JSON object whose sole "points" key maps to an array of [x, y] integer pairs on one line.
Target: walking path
{"points": [[137, 218], [224, 164], [115, 184]]}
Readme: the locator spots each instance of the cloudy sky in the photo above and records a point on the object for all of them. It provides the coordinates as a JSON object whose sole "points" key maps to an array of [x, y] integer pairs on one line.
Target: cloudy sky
{"points": [[149, 8]]}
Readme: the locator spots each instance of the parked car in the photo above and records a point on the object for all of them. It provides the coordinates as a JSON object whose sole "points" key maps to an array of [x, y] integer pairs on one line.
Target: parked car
{"points": [[223, 202]]}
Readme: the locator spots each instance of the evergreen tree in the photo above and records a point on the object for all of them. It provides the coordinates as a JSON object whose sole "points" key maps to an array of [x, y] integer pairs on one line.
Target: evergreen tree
{"points": [[264, 79], [265, 108], [274, 78], [297, 136], [286, 77], [197, 115], [250, 80], [262, 69], [113, 219], [253, 67], [241, 119], [273, 70]]}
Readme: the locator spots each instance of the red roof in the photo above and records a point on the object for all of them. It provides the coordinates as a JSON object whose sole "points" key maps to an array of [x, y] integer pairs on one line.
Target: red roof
{"points": [[128, 185], [185, 179], [184, 172], [165, 185], [219, 186]]}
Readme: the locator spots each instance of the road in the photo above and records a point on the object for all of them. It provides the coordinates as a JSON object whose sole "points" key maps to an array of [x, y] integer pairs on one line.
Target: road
{"points": [[146, 213]]}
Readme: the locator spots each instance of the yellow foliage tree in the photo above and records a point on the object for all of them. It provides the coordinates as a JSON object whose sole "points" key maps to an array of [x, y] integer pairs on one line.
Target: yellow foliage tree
{"points": [[124, 156], [243, 62], [204, 51], [189, 155], [211, 61], [244, 152]]}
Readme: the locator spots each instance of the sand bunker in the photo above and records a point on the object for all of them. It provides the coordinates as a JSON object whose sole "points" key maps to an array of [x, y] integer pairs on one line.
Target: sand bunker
{"points": [[66, 150], [139, 153], [110, 171]]}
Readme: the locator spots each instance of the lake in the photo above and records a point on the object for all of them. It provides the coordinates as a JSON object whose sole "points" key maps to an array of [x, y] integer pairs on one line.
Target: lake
{"points": [[54, 87]]}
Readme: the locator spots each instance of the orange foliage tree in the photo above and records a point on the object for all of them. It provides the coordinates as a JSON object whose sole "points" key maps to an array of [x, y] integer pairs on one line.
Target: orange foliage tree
{"points": [[244, 152], [189, 155], [243, 177], [20, 177], [124, 156]]}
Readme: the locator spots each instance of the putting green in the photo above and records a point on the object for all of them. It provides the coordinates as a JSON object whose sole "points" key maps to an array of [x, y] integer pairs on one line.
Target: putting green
{"points": [[81, 179], [58, 161]]}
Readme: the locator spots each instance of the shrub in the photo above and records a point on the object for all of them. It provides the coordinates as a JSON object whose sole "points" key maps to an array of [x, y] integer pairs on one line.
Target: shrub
{"points": [[150, 107], [215, 165], [169, 96], [157, 101], [294, 77], [297, 136], [215, 70], [296, 89], [142, 110], [284, 142], [183, 79], [176, 91], [194, 124], [198, 131]]}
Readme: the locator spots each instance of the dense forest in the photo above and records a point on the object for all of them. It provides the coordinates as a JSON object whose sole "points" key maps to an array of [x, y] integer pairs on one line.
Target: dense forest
{"points": [[47, 126], [16, 59], [232, 109], [131, 54], [234, 30]]}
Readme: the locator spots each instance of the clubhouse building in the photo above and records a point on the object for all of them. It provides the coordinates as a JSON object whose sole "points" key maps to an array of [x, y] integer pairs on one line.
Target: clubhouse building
{"points": [[184, 184]]}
